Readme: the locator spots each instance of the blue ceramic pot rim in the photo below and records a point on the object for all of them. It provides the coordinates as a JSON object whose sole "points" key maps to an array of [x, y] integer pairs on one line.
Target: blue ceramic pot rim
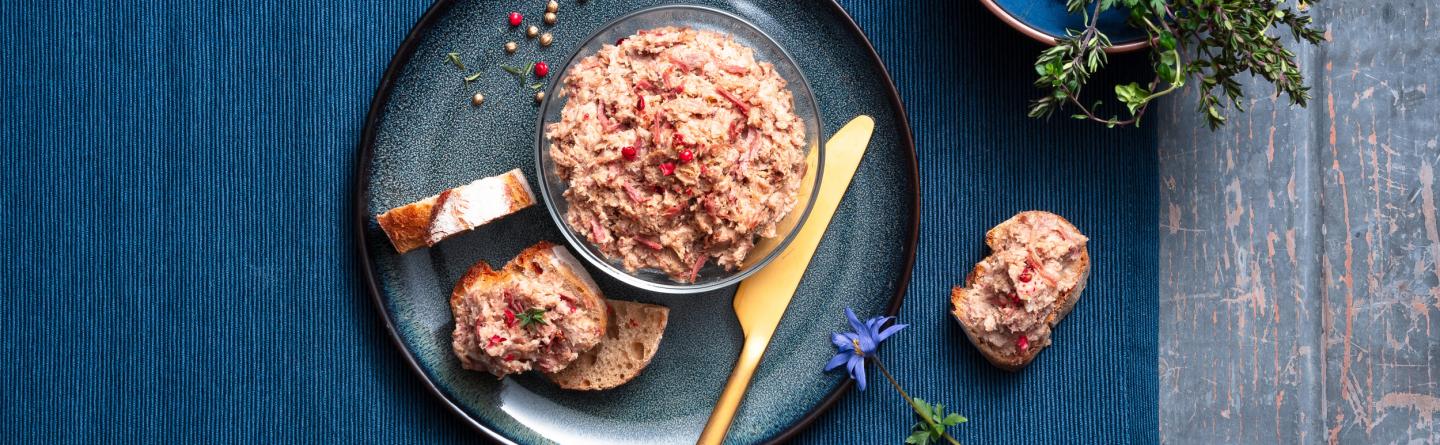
{"points": [[361, 218], [605, 264], [1046, 38]]}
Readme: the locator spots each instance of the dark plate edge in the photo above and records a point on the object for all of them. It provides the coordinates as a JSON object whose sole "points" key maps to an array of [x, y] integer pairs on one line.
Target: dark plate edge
{"points": [[366, 152]]}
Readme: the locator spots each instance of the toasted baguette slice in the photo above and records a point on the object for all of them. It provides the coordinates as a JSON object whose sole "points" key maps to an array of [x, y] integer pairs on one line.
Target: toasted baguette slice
{"points": [[1012, 300], [430, 220], [629, 344], [491, 333]]}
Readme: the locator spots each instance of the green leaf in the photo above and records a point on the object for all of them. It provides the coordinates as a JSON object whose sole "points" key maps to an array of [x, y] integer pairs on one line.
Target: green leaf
{"points": [[531, 316], [1132, 95], [932, 424], [472, 77], [1167, 41], [1171, 61], [454, 59]]}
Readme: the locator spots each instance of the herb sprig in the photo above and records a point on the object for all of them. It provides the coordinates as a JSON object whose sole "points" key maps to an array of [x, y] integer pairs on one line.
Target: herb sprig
{"points": [[1208, 41], [522, 75], [531, 316], [454, 59], [932, 430]]}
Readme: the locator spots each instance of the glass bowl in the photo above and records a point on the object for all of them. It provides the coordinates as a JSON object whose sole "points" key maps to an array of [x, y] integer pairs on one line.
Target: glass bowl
{"points": [[711, 276]]}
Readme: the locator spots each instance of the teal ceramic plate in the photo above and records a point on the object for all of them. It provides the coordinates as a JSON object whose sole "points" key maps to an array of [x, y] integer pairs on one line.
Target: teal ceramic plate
{"points": [[423, 136]]}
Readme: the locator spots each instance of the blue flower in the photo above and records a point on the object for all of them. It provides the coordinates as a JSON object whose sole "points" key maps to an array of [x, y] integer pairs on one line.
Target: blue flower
{"points": [[852, 348]]}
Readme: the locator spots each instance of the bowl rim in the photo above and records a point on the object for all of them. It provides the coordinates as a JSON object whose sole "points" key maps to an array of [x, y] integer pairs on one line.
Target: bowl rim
{"points": [[1043, 37], [580, 245]]}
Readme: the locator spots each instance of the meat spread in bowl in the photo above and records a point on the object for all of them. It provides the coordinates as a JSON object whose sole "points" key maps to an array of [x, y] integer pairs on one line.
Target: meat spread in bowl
{"points": [[679, 149]]}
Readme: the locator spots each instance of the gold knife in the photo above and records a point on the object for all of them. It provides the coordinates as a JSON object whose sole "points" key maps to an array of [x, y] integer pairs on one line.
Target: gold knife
{"points": [[761, 299]]}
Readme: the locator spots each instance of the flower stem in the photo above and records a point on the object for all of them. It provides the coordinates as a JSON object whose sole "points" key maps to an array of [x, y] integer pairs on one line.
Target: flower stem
{"points": [[923, 415]]}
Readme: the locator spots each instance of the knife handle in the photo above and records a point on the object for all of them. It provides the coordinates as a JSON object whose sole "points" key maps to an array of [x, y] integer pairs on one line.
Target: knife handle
{"points": [[724, 412]]}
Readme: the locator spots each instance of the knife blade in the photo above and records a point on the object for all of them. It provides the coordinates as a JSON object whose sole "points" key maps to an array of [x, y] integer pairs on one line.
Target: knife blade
{"points": [[760, 301]]}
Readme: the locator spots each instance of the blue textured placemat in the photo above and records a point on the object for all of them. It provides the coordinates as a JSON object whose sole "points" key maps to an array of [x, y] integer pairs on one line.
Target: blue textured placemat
{"points": [[178, 260]]}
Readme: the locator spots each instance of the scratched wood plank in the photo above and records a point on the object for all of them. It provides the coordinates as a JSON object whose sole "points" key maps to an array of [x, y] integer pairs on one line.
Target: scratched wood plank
{"points": [[1239, 321], [1378, 157], [1300, 293]]}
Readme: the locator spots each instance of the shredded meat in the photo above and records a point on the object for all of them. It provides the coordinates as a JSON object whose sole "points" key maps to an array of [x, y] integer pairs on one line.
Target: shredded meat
{"points": [[664, 92]]}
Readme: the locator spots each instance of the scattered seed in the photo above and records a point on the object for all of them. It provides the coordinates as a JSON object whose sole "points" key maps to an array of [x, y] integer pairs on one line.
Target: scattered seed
{"points": [[511, 47], [532, 31], [546, 39], [477, 99], [539, 96], [550, 18], [552, 6]]}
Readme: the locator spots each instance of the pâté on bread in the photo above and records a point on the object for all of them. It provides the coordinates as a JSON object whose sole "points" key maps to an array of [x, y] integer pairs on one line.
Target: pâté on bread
{"points": [[1013, 299], [543, 312]]}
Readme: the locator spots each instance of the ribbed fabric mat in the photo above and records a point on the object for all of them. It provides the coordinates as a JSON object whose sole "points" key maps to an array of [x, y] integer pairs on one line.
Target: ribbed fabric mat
{"points": [[966, 79], [178, 258]]}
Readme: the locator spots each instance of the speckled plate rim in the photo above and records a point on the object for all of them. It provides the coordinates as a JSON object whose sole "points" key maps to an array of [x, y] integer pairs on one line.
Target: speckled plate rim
{"points": [[366, 152], [1046, 38]]}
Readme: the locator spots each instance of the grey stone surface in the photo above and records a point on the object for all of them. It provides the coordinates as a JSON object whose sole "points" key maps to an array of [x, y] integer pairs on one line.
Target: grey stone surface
{"points": [[1300, 298]]}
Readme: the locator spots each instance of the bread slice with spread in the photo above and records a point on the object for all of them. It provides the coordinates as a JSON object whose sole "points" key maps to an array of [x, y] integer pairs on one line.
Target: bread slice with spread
{"points": [[1012, 300], [540, 312], [633, 336], [428, 221]]}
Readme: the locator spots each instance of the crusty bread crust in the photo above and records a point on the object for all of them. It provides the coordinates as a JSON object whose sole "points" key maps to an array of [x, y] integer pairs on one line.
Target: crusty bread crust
{"points": [[413, 225], [408, 226], [1063, 305]]}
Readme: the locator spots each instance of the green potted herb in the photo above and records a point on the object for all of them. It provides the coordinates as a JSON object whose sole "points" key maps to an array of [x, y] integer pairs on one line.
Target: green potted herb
{"points": [[1208, 42]]}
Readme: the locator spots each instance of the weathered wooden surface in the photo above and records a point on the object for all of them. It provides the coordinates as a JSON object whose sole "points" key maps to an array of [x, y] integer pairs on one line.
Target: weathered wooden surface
{"points": [[1300, 298]]}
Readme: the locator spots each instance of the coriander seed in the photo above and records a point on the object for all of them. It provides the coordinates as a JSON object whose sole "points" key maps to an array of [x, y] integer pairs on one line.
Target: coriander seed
{"points": [[552, 6], [477, 99], [550, 18], [546, 39], [532, 31], [539, 96], [511, 47]]}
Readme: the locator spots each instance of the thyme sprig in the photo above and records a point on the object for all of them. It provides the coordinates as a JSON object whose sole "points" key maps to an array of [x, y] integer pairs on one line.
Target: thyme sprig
{"points": [[1207, 41], [534, 315], [522, 75]]}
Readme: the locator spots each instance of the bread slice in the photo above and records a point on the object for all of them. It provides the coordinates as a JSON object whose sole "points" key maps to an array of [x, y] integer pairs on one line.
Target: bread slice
{"points": [[430, 220], [1012, 300], [630, 342], [491, 333]]}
